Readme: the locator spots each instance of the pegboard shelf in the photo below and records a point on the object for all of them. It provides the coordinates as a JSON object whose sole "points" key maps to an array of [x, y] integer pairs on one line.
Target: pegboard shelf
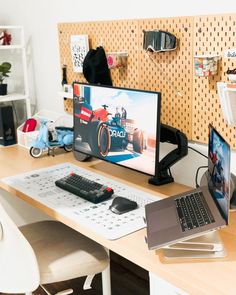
{"points": [[227, 95], [65, 94], [229, 85]]}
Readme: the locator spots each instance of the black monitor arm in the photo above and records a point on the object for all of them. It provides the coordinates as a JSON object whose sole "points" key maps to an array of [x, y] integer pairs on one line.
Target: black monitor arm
{"points": [[174, 136]]}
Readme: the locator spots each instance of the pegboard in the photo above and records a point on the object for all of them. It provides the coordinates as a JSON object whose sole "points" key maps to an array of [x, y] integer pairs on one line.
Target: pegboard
{"points": [[114, 36], [173, 70], [212, 35], [169, 72]]}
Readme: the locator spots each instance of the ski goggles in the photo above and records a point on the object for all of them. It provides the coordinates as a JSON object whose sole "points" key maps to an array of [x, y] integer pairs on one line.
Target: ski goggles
{"points": [[157, 41]]}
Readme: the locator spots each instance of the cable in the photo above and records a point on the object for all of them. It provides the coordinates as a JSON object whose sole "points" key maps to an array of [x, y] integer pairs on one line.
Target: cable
{"points": [[196, 176], [198, 152], [171, 83]]}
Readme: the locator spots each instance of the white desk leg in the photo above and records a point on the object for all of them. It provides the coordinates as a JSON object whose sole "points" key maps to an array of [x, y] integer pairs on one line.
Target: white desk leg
{"points": [[106, 281]]}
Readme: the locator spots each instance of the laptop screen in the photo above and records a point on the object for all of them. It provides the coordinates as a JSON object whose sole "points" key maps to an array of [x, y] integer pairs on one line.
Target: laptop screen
{"points": [[219, 171]]}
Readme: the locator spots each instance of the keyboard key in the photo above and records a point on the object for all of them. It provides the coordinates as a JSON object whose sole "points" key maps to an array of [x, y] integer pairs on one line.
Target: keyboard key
{"points": [[193, 211]]}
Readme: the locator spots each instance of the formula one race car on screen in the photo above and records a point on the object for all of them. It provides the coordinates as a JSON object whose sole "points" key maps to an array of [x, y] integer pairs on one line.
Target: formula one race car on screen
{"points": [[103, 134]]}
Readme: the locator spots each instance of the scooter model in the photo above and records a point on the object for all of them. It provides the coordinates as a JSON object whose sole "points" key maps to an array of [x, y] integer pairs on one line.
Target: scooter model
{"points": [[61, 137]]}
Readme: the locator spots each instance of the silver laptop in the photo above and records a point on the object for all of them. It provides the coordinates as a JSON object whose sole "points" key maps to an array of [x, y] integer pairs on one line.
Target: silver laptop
{"points": [[198, 211]]}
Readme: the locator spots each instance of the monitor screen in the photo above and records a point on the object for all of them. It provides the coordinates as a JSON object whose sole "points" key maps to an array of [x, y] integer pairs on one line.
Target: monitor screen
{"points": [[118, 125], [219, 171]]}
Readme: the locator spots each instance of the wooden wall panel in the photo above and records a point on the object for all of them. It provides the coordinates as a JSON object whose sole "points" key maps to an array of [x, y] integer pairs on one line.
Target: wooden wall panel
{"points": [[113, 36], [212, 35], [168, 72], [174, 70], [171, 72]]}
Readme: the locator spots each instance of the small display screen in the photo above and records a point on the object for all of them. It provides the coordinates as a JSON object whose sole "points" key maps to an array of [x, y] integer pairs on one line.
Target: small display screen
{"points": [[118, 125], [219, 171]]}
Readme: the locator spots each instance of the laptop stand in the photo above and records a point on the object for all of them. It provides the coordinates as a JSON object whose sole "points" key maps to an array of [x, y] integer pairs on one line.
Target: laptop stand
{"points": [[205, 246]]}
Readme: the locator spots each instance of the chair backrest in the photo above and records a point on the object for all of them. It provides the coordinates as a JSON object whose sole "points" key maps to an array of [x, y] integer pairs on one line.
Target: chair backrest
{"points": [[19, 271]]}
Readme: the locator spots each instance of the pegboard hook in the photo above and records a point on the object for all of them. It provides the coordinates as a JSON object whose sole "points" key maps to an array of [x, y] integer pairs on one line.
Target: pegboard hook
{"points": [[100, 43]]}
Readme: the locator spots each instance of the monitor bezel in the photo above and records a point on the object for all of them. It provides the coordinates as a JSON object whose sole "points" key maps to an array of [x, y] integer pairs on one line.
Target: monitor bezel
{"points": [[82, 156]]}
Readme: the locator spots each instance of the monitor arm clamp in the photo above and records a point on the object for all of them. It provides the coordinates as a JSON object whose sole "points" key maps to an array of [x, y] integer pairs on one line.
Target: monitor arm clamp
{"points": [[173, 136]]}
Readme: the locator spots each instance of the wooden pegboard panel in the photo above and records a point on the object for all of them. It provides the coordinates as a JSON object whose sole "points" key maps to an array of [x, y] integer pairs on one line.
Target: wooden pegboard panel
{"points": [[171, 71], [174, 71], [114, 36], [212, 35]]}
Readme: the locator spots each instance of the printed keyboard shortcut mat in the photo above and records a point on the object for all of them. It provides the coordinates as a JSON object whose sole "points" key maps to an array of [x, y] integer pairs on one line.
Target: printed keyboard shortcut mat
{"points": [[40, 185]]}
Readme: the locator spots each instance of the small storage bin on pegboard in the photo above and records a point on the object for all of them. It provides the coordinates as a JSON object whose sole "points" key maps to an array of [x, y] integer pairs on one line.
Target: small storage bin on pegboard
{"points": [[205, 65], [117, 60]]}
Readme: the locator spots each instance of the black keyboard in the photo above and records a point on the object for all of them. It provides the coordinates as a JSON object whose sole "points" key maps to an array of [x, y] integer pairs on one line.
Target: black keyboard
{"points": [[193, 211], [85, 188]]}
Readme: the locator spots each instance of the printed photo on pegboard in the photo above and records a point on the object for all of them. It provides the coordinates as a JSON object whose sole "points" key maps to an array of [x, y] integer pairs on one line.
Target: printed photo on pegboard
{"points": [[79, 48]]}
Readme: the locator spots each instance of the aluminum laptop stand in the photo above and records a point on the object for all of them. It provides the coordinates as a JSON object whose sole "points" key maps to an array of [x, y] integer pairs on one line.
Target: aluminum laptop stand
{"points": [[208, 245], [205, 246]]}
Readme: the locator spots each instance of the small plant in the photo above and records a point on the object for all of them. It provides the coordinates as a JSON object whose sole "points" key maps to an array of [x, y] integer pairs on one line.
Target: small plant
{"points": [[4, 71]]}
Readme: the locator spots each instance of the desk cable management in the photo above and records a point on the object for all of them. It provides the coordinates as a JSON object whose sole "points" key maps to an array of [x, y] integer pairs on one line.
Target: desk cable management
{"points": [[200, 167]]}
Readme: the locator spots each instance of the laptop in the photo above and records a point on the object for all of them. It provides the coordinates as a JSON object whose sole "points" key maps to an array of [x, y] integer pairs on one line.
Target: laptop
{"points": [[198, 211]]}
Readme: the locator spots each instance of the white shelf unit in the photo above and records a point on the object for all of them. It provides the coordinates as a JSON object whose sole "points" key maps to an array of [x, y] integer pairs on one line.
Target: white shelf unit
{"points": [[18, 43], [7, 47]]}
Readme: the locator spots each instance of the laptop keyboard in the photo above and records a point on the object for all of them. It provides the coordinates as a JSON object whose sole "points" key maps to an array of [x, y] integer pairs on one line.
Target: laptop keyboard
{"points": [[193, 211]]}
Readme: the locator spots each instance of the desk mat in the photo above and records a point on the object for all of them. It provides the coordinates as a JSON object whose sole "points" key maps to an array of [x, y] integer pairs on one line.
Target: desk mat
{"points": [[40, 186]]}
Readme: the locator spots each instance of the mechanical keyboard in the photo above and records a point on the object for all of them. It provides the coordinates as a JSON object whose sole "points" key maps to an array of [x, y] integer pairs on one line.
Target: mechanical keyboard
{"points": [[85, 188]]}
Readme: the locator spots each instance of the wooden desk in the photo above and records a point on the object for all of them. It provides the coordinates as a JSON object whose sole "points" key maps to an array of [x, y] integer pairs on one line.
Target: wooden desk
{"points": [[193, 276]]}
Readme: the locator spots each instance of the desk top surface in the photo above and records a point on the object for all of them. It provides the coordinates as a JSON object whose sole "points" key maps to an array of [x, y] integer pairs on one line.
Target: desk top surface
{"points": [[194, 276]]}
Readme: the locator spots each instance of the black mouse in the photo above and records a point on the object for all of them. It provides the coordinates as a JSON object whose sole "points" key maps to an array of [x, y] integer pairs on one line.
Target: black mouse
{"points": [[122, 205]]}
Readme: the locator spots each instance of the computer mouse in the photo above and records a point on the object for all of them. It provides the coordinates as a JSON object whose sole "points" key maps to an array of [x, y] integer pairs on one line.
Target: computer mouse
{"points": [[122, 205]]}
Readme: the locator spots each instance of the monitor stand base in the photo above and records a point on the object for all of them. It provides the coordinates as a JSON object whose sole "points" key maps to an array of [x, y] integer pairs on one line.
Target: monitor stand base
{"points": [[206, 246], [175, 137], [160, 180], [81, 157]]}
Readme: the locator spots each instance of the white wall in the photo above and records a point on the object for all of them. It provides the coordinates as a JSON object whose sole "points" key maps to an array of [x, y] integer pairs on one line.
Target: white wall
{"points": [[40, 19]]}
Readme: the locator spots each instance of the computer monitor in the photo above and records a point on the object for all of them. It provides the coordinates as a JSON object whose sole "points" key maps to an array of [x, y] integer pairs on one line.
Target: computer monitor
{"points": [[219, 170], [118, 125]]}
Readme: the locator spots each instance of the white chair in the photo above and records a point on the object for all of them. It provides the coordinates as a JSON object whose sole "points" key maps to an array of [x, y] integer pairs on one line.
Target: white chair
{"points": [[47, 252]]}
